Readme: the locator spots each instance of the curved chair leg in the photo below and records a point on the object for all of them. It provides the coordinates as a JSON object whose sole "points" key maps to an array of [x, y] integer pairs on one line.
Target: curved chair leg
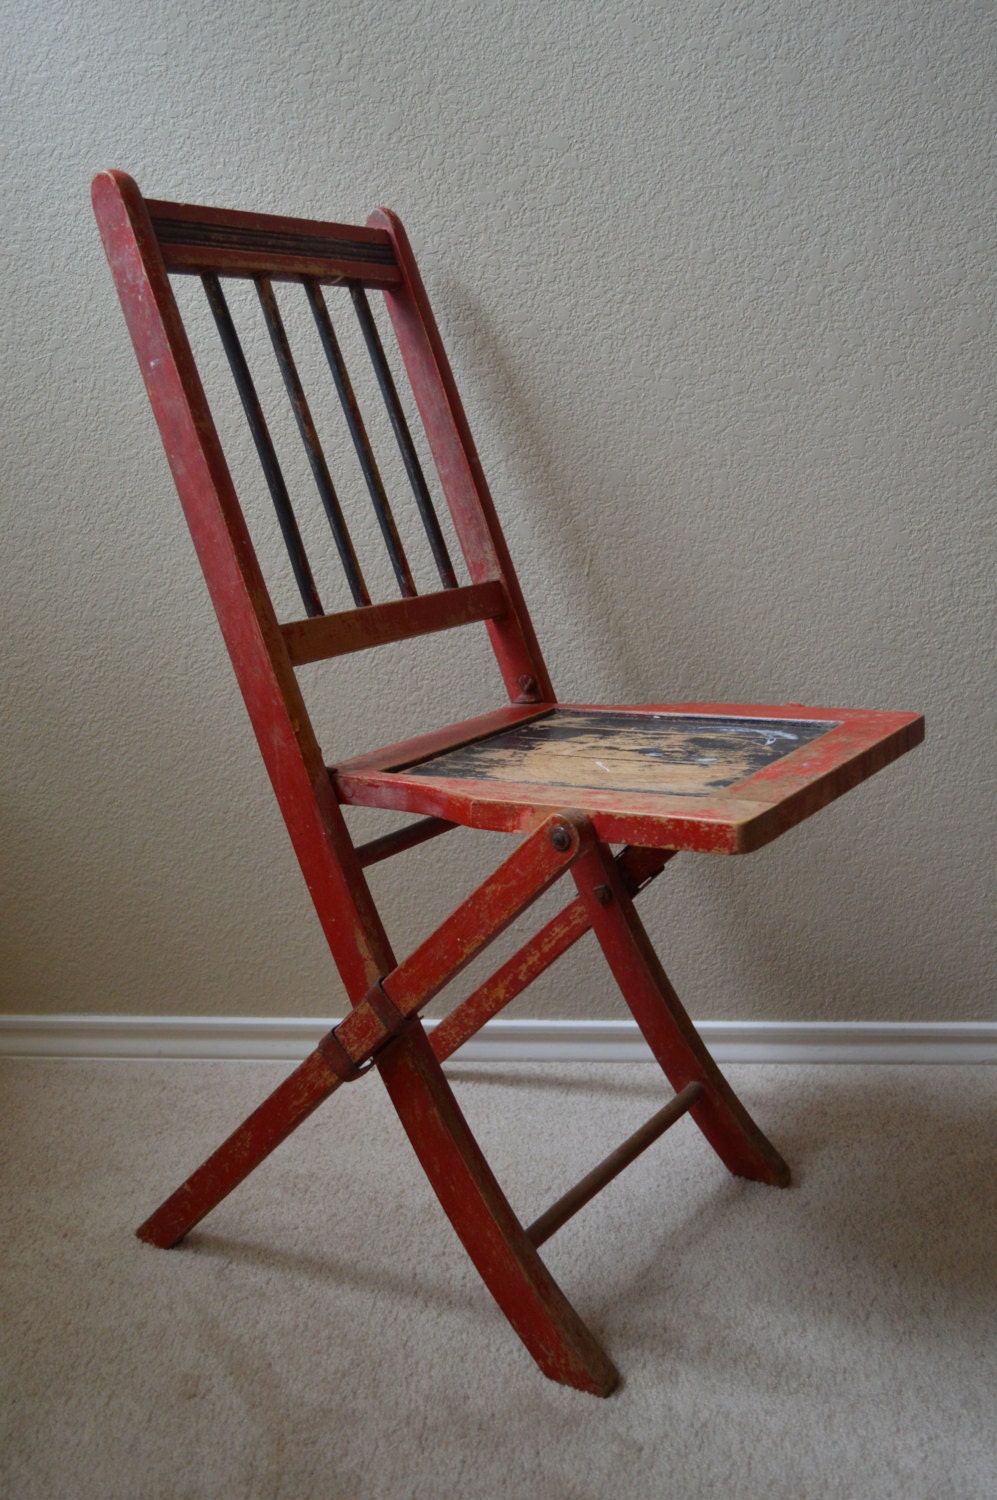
{"points": [[670, 1034], [491, 1234]]}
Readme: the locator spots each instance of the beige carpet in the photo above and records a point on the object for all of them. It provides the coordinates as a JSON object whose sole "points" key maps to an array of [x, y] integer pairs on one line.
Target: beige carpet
{"points": [[322, 1335]]}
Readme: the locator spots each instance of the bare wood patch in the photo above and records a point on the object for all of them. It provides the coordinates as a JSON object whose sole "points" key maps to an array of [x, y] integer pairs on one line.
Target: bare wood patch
{"points": [[673, 754]]}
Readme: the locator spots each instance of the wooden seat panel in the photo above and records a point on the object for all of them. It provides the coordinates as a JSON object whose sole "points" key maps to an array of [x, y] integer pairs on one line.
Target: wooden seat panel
{"points": [[723, 778], [623, 751]]}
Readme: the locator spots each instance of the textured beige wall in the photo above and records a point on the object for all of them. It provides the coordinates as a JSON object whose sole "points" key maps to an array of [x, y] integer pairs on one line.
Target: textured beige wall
{"points": [[713, 277]]}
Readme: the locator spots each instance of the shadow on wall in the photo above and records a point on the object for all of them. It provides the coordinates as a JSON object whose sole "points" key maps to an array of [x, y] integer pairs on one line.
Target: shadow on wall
{"points": [[504, 390], [901, 1235], [780, 950], [615, 561], [815, 925]]}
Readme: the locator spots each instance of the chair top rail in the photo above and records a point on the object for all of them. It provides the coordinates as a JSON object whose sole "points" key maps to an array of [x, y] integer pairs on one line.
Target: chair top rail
{"points": [[194, 239]]}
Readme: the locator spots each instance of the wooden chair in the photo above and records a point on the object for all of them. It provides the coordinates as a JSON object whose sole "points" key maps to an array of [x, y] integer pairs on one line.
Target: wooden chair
{"points": [[569, 780]]}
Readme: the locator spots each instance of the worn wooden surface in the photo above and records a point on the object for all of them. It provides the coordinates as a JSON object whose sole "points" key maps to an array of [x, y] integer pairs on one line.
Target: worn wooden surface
{"points": [[287, 741], [681, 755], [490, 1231], [193, 239], [565, 1208], [665, 1024], [848, 746], [533, 866], [638, 867], [396, 842], [325, 636]]}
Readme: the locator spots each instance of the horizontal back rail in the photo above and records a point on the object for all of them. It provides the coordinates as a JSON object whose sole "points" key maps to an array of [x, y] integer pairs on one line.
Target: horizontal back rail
{"points": [[325, 636], [193, 239]]}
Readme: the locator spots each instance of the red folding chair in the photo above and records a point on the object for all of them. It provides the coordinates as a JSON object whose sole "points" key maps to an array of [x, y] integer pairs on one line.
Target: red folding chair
{"points": [[570, 780]]}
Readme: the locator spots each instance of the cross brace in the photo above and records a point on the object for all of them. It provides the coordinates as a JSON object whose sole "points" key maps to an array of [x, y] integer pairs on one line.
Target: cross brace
{"points": [[375, 1021], [383, 1030], [593, 1182]]}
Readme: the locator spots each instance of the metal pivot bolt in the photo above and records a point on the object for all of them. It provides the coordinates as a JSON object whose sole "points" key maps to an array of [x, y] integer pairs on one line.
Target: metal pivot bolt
{"points": [[602, 894], [560, 838]]}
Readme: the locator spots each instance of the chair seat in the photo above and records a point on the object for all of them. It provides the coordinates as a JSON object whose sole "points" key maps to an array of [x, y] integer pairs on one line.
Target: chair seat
{"points": [[723, 778]]}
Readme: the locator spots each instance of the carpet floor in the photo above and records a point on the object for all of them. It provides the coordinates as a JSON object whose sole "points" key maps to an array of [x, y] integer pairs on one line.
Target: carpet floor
{"points": [[322, 1334]]}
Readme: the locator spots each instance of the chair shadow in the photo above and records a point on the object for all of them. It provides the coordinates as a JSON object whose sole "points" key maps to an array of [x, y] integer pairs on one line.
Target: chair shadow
{"points": [[327, 1269], [895, 1186], [655, 1088], [918, 1202], [507, 394], [915, 1161]]}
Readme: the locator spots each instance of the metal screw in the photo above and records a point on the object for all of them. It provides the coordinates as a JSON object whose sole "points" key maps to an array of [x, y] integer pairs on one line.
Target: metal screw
{"points": [[602, 894], [560, 837], [528, 684]]}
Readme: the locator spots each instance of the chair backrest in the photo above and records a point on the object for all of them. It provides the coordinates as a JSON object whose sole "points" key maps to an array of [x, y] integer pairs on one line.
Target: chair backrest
{"points": [[146, 241]]}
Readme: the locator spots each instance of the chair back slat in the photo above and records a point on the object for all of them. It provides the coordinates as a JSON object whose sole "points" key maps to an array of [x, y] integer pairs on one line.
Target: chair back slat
{"points": [[313, 448], [403, 436], [361, 442], [263, 442], [221, 246], [462, 478]]}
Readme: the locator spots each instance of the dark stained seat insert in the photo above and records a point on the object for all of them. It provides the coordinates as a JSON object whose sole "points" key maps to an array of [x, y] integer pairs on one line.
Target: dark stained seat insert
{"points": [[675, 754]]}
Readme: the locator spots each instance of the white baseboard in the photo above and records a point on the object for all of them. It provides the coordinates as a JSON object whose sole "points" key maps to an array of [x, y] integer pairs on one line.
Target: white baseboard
{"points": [[241, 1038]]}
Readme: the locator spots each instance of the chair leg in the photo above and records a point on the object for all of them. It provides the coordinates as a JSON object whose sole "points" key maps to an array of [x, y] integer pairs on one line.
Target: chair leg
{"points": [[260, 1133], [491, 1234], [670, 1034]]}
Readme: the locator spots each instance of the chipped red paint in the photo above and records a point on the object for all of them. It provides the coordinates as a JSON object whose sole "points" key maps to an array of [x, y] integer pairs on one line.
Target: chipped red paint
{"points": [[665, 1025], [193, 239], [637, 867], [262, 1132], [736, 820], [461, 475], [326, 636], [246, 616], [144, 240], [515, 885]]}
